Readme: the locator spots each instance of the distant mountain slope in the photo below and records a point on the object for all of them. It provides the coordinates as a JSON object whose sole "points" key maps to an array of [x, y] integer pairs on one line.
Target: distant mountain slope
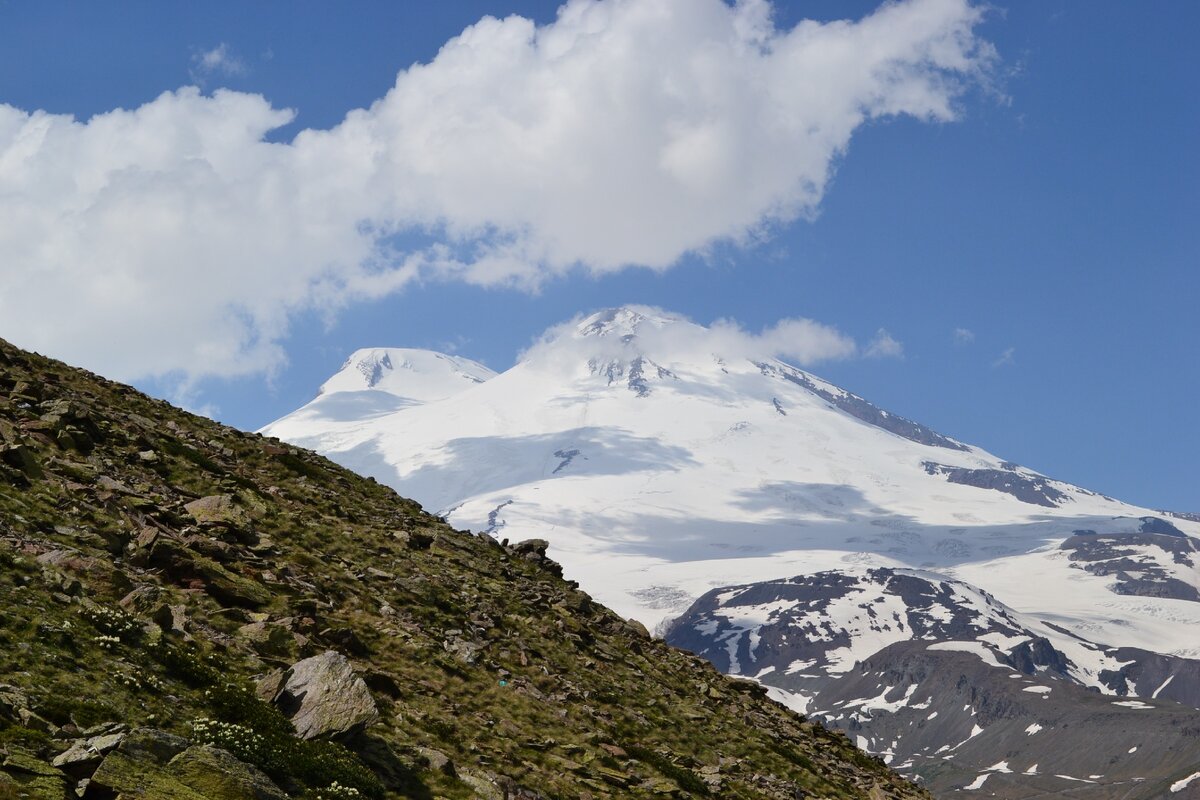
{"points": [[944, 682], [180, 603]]}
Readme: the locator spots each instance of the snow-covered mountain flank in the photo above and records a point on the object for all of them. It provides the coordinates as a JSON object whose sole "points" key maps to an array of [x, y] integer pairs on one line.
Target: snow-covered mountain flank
{"points": [[378, 380], [669, 464]]}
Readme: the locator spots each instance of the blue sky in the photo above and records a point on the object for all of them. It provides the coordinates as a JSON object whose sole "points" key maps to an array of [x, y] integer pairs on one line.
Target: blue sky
{"points": [[1053, 218]]}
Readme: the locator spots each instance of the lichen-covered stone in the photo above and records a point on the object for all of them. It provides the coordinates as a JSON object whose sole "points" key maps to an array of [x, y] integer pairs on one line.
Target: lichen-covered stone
{"points": [[217, 775], [84, 755], [153, 745], [267, 638], [216, 508], [35, 779], [134, 778], [323, 697]]}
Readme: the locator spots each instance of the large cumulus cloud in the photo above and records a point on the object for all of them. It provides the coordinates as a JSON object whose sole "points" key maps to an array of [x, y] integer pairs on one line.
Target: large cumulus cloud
{"points": [[175, 238]]}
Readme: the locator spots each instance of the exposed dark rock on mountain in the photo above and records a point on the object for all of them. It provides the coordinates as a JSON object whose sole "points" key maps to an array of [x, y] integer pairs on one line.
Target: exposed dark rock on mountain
{"points": [[1026, 488], [155, 565], [1126, 558], [864, 410], [952, 687], [1029, 734]]}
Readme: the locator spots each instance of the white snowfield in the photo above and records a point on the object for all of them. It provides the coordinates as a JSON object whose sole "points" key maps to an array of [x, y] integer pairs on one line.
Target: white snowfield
{"points": [[662, 459], [376, 382]]}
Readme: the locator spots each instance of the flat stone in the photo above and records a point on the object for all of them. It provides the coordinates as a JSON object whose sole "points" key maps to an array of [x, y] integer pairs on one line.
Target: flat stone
{"points": [[218, 775], [130, 777], [216, 508], [153, 745], [81, 759]]}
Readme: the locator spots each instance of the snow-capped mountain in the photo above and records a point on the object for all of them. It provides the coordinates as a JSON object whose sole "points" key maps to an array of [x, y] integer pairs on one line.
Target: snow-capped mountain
{"points": [[663, 460]]}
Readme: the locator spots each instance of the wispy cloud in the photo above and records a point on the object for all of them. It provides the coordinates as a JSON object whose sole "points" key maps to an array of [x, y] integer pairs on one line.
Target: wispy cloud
{"points": [[452, 346], [621, 134], [1006, 358], [220, 61], [795, 339], [884, 345], [963, 336]]}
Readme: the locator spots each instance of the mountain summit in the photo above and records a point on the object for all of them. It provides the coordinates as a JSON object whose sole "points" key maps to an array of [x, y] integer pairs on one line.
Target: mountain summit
{"points": [[419, 376]]}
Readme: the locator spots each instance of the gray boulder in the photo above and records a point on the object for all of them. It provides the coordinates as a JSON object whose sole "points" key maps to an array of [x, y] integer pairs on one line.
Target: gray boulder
{"points": [[324, 698]]}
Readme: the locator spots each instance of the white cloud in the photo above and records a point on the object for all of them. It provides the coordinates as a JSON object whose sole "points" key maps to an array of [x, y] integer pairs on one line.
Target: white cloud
{"points": [[963, 336], [173, 239], [884, 345], [1006, 358], [797, 339], [670, 336], [220, 60]]}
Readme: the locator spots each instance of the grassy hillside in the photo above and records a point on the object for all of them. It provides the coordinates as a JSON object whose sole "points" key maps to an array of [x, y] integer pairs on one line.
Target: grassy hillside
{"points": [[158, 571]]}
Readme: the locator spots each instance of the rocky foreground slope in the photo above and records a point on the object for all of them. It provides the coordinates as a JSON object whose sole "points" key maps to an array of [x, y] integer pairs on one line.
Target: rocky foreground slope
{"points": [[187, 611]]}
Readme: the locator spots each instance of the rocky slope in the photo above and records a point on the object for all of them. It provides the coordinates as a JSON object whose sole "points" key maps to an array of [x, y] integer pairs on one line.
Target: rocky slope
{"points": [[187, 611], [954, 688]]}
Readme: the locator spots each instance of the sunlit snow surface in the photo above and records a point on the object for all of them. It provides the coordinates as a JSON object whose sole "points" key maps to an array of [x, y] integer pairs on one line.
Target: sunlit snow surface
{"points": [[662, 459]]}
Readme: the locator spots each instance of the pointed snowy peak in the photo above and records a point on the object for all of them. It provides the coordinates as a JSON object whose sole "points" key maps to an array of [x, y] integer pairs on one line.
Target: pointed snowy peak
{"points": [[373, 383], [627, 347], [419, 375]]}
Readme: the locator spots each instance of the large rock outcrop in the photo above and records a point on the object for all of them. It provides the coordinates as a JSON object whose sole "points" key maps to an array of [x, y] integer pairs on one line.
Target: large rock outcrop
{"points": [[323, 697]]}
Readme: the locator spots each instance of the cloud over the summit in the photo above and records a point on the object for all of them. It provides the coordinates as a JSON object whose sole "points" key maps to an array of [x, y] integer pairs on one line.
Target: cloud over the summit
{"points": [[174, 238], [884, 345], [673, 337]]}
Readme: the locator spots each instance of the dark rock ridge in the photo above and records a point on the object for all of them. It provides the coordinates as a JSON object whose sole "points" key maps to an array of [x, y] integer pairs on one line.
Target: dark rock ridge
{"points": [[1031, 735], [156, 569], [1153, 675], [1156, 525], [812, 620], [861, 409], [1131, 559], [1026, 487], [945, 683], [636, 373]]}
